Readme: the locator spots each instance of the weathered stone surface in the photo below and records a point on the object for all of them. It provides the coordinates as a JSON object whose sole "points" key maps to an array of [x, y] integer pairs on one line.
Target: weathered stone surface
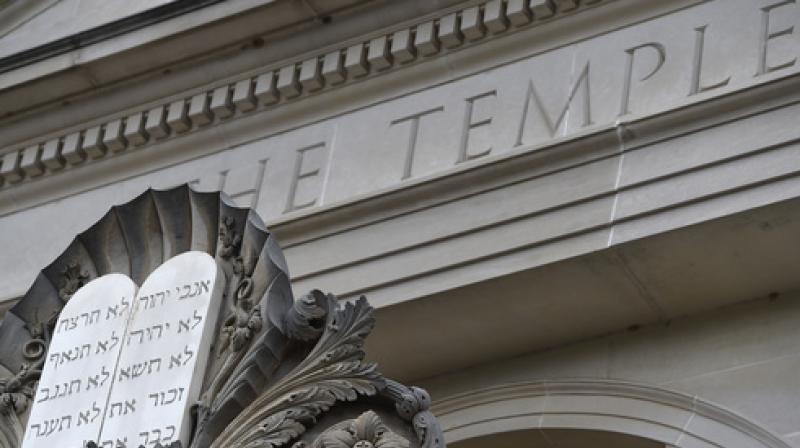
{"points": [[666, 115]]}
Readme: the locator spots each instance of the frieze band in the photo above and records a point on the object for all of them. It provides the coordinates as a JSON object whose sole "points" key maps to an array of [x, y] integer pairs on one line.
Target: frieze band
{"points": [[277, 86]]}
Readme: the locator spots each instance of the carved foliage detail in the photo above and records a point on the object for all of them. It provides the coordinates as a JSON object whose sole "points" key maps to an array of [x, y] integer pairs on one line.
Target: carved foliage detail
{"points": [[242, 322], [17, 391], [366, 431], [73, 277], [333, 371], [245, 319]]}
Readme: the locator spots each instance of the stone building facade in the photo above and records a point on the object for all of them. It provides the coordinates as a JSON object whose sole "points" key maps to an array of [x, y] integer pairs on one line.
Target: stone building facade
{"points": [[578, 220]]}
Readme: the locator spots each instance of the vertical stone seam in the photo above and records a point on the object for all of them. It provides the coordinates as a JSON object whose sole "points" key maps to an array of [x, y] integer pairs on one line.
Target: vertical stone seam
{"points": [[622, 133]]}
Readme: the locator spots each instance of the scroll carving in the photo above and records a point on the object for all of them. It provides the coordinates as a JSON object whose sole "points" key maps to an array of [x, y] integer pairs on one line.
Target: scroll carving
{"points": [[413, 405], [245, 318], [333, 374]]}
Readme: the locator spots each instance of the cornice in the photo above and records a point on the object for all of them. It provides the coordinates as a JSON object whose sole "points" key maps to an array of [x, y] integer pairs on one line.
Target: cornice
{"points": [[103, 32], [277, 85]]}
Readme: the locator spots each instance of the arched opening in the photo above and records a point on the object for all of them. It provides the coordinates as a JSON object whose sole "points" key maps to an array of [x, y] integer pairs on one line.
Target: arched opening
{"points": [[558, 438], [587, 413]]}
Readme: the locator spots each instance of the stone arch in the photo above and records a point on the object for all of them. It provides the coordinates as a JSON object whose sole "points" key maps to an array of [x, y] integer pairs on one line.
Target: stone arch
{"points": [[649, 412]]}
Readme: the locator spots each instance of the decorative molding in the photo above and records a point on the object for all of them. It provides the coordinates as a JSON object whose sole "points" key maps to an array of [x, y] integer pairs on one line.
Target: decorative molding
{"points": [[330, 373], [281, 364], [17, 391], [278, 85], [634, 403]]}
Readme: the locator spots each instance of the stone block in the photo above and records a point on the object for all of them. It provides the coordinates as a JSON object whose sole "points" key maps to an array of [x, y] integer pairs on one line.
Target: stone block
{"points": [[72, 150], [221, 103], [265, 89], [495, 18], [93, 142], [156, 124], [450, 31], [177, 119], [287, 83], [310, 76], [378, 55], [199, 111], [51, 154], [402, 46], [243, 98], [113, 137], [135, 132], [426, 40], [471, 24], [355, 61]]}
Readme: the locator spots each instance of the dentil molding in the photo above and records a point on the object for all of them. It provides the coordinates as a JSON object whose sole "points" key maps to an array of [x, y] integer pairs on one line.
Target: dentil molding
{"points": [[276, 86]]}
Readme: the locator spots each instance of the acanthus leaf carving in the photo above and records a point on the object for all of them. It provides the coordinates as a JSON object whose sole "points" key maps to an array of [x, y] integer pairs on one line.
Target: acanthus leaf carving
{"points": [[333, 371]]}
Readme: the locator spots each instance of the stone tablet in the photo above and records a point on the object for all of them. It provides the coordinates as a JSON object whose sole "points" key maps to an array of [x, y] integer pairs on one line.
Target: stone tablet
{"points": [[78, 374], [123, 372], [164, 354]]}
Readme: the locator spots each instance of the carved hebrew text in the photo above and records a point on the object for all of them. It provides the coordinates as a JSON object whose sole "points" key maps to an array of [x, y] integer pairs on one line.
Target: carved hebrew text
{"points": [[70, 400], [122, 366]]}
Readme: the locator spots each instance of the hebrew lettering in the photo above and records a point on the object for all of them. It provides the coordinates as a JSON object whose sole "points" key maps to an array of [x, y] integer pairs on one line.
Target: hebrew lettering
{"points": [[76, 379], [162, 359], [124, 367]]}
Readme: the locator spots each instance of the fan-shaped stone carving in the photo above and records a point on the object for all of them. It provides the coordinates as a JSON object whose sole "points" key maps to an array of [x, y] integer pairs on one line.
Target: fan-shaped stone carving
{"points": [[277, 365]]}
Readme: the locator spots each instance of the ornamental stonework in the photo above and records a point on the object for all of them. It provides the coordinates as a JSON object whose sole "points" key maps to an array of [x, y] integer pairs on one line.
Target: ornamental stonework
{"points": [[171, 323]]}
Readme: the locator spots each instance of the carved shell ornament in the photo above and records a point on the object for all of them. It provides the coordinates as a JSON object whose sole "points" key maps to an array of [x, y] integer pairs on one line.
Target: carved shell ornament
{"points": [[281, 372]]}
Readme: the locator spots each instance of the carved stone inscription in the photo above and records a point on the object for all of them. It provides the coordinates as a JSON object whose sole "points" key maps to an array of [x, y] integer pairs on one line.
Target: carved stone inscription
{"points": [[709, 48], [124, 367], [164, 353], [78, 374]]}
